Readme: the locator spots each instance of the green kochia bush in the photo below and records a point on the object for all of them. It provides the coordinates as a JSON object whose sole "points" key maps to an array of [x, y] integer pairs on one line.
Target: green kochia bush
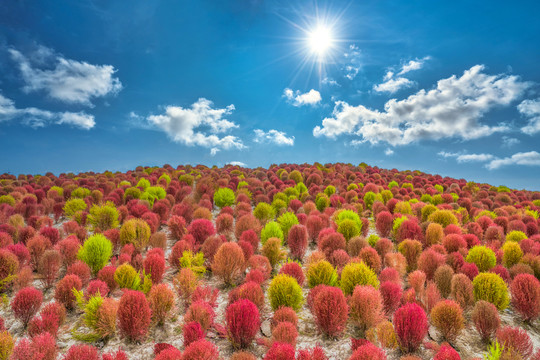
{"points": [[264, 212], [492, 288], [515, 236], [136, 232], [321, 272], [287, 221], [224, 197], [285, 291], [103, 217], [96, 252], [270, 230], [153, 193], [73, 206], [483, 257], [349, 223], [357, 274]]}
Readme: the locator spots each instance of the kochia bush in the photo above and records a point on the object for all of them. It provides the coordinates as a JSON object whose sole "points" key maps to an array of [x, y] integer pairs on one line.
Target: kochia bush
{"points": [[285, 291], [492, 288], [26, 304], [366, 307], [330, 311], [271, 230], [64, 290], [134, 315], [354, 274], [321, 272], [298, 241], [224, 197], [136, 232], [525, 289], [447, 317], [96, 252], [483, 257], [411, 325], [228, 262], [243, 321]]}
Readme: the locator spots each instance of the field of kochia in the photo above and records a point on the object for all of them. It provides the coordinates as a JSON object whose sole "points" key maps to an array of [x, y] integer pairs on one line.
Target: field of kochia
{"points": [[291, 262]]}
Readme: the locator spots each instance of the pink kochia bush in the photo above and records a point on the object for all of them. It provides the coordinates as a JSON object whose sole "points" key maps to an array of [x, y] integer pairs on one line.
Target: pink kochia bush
{"points": [[525, 290], [330, 311], [368, 352], [134, 315], [26, 304], [243, 321], [411, 325]]}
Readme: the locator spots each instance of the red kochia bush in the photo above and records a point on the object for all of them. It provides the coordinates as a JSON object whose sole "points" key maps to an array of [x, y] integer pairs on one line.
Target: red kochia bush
{"points": [[119, 355], [383, 223], [201, 350], [243, 321], [251, 291], [485, 318], [295, 270], [391, 295], [446, 352], [64, 293], [154, 264], [368, 352], [26, 304], [316, 353], [280, 351], [411, 325], [176, 253], [298, 241], [82, 352], [82, 270], [330, 311], [201, 229], [42, 347], [134, 315], [192, 332], [526, 296], [517, 339], [177, 227]]}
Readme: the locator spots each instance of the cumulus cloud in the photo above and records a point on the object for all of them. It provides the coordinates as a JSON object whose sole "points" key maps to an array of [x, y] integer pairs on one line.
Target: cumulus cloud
{"points": [[237, 163], [70, 81], [413, 65], [531, 158], [393, 85], [531, 110], [509, 141], [453, 109], [296, 98], [36, 118], [274, 137], [389, 152], [199, 125]]}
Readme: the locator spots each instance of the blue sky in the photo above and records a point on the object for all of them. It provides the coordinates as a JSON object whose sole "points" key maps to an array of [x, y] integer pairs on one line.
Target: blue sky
{"points": [[443, 87]]}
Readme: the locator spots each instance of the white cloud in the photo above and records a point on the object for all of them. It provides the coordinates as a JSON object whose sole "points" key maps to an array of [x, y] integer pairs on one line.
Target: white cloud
{"points": [[447, 154], [353, 66], [80, 119], [413, 65], [531, 158], [531, 110], [237, 163], [312, 97], [273, 136], [451, 110], [389, 152], [474, 157], [36, 118], [64, 79], [509, 141], [198, 125], [330, 81], [393, 85]]}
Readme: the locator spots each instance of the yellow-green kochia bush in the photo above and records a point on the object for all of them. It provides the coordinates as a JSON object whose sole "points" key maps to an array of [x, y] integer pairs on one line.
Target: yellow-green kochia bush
{"points": [[516, 236], [103, 217], [285, 291], [286, 221], [224, 197], [96, 252], [483, 257], [512, 253], [264, 212], [153, 193], [72, 206], [443, 217], [349, 223], [321, 272], [270, 230], [136, 232], [357, 274], [491, 288]]}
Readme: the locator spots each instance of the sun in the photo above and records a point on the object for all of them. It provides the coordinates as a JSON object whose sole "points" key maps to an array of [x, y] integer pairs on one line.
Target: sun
{"points": [[320, 40]]}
